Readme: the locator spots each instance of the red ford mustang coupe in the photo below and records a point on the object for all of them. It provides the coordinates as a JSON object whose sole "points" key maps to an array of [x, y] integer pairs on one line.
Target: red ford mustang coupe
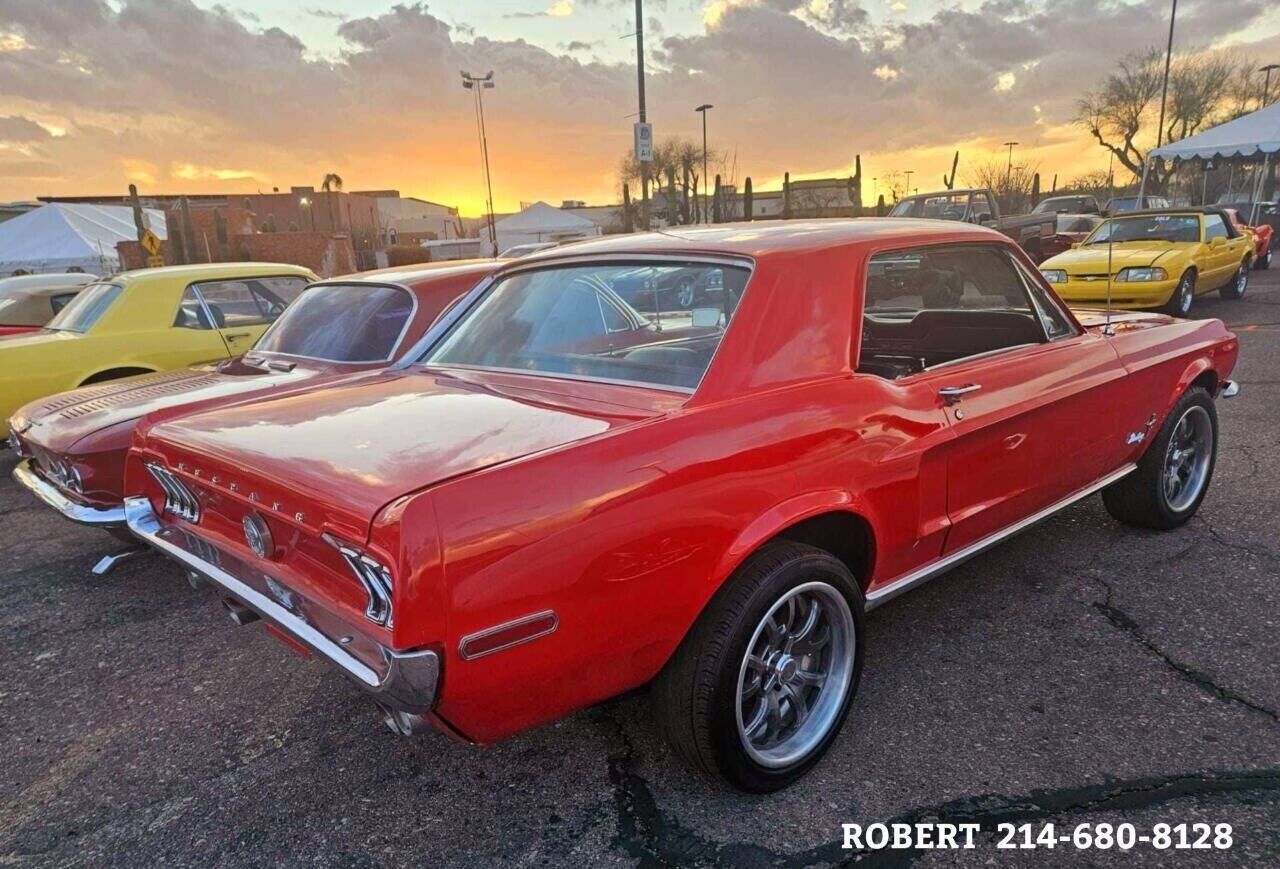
{"points": [[561, 499], [73, 444]]}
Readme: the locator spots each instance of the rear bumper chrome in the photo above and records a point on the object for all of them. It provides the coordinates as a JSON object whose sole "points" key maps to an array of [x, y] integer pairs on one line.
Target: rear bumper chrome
{"points": [[84, 514], [405, 681]]}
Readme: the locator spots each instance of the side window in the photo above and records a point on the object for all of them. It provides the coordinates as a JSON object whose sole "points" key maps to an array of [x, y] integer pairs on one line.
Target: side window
{"points": [[248, 301], [932, 306], [1053, 319], [1214, 227], [614, 319], [60, 301], [191, 313], [980, 205]]}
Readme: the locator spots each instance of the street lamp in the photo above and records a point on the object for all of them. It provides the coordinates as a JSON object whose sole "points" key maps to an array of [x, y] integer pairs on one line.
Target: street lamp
{"points": [[702, 109], [908, 173], [478, 84], [1266, 83]]}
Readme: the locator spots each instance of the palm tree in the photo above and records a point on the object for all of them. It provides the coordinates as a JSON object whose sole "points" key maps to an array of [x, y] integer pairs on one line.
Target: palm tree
{"points": [[332, 181]]}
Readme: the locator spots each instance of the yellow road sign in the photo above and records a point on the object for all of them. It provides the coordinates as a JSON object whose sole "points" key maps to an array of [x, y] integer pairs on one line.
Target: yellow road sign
{"points": [[150, 243], [155, 262]]}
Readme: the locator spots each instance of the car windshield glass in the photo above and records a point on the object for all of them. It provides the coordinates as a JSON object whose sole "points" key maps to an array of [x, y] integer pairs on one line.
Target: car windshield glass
{"points": [[86, 308], [583, 322], [1155, 227], [348, 323], [947, 206], [1074, 204]]}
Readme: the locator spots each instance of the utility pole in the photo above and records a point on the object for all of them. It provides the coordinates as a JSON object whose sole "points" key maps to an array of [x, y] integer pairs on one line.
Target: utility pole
{"points": [[479, 84], [1008, 172], [703, 110], [908, 173], [1266, 83], [1164, 88], [644, 118]]}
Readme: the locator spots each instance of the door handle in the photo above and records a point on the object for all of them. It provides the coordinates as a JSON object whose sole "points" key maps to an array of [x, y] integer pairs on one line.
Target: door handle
{"points": [[235, 335], [952, 394]]}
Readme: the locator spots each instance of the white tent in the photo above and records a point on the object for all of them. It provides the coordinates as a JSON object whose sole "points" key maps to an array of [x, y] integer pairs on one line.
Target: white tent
{"points": [[1253, 136], [540, 222], [59, 236]]}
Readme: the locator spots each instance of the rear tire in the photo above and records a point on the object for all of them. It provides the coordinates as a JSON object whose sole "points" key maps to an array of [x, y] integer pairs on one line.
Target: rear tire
{"points": [[1179, 304], [1234, 290], [760, 687], [1173, 475]]}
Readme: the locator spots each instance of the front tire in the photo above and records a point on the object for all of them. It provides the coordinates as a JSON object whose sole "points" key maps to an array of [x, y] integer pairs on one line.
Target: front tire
{"points": [[1239, 282], [760, 687], [1173, 474], [1179, 304]]}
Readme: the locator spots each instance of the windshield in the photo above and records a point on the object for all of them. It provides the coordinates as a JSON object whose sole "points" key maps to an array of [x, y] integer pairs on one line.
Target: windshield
{"points": [[576, 321], [86, 308], [1172, 228], [347, 323], [944, 206], [1072, 204]]}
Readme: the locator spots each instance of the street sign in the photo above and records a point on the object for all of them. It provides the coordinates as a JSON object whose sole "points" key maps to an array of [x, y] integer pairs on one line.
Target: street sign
{"points": [[644, 142], [155, 262], [150, 243]]}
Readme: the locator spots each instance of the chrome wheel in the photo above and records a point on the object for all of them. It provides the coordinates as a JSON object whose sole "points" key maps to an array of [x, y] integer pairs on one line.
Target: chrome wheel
{"points": [[796, 673], [684, 292], [1187, 459], [1186, 294], [1242, 279]]}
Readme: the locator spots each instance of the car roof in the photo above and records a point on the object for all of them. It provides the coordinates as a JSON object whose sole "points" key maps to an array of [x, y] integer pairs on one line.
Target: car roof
{"points": [[49, 284], [419, 273], [763, 238], [209, 271]]}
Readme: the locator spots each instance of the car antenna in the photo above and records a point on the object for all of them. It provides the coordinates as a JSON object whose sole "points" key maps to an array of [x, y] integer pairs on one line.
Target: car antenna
{"points": [[1107, 328]]}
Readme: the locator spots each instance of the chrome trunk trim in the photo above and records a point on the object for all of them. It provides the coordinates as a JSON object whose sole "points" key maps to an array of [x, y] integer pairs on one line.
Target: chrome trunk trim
{"points": [[398, 680], [82, 514], [908, 581]]}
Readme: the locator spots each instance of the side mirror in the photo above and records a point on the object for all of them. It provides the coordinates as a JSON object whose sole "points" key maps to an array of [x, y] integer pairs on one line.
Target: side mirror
{"points": [[1219, 241], [706, 318]]}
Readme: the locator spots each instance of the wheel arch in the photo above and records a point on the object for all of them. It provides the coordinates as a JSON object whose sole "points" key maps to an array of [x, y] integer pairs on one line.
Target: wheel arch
{"points": [[115, 373]]}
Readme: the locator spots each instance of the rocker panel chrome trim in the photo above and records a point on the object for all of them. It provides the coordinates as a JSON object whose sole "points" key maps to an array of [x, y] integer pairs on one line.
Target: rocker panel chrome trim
{"points": [[908, 581]]}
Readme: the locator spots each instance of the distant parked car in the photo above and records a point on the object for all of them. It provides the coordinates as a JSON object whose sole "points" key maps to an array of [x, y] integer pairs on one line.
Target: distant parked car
{"points": [[1072, 229], [1262, 234], [28, 302], [658, 290], [980, 206], [1121, 204], [1086, 204], [73, 444], [519, 250], [143, 321]]}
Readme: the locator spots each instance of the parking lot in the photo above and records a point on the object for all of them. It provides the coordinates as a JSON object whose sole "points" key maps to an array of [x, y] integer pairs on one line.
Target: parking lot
{"points": [[1082, 672]]}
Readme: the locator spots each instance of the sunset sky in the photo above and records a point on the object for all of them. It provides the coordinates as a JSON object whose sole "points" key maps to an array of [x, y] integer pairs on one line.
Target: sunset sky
{"points": [[182, 97]]}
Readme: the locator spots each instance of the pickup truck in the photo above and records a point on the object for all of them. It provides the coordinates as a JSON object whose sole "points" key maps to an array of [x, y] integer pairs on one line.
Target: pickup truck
{"points": [[978, 205]]}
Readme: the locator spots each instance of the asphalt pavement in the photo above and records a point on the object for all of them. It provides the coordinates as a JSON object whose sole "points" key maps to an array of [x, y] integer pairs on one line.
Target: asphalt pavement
{"points": [[1081, 673]]}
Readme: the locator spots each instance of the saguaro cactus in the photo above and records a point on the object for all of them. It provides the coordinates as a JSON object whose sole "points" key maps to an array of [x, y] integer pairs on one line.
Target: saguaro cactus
{"points": [[1035, 188], [880, 209], [717, 213], [747, 201], [673, 212], [786, 195], [628, 225], [949, 181]]}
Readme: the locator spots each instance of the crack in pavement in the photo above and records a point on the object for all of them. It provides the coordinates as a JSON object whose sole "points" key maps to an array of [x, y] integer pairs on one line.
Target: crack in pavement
{"points": [[649, 835], [1126, 623]]}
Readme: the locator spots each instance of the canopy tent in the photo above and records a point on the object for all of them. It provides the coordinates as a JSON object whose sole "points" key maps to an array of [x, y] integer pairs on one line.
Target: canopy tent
{"points": [[541, 222], [1253, 136], [59, 236]]}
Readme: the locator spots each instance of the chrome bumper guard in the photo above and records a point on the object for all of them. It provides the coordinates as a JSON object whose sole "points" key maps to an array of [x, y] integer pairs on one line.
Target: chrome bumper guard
{"points": [[404, 681], [98, 517]]}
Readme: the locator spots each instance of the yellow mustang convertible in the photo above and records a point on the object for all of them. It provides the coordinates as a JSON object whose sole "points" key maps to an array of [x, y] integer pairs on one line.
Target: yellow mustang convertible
{"points": [[1159, 259], [143, 321]]}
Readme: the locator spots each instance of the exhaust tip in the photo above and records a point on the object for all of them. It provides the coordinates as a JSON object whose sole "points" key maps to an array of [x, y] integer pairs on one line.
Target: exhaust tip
{"points": [[403, 723], [240, 614]]}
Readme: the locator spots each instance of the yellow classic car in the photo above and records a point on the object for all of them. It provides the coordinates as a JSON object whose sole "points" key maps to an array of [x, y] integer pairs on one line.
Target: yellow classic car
{"points": [[1154, 259], [143, 321]]}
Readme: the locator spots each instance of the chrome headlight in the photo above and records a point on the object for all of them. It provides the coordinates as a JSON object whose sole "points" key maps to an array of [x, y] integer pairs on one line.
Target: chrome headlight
{"points": [[1146, 273], [1055, 276]]}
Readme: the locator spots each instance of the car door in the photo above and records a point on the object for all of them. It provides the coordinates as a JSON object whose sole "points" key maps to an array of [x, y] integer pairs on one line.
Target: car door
{"points": [[239, 310], [1031, 413]]}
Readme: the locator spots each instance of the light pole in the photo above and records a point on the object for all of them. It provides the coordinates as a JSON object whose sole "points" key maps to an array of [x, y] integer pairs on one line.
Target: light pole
{"points": [[1164, 88], [1266, 83], [702, 109], [908, 173], [1008, 172], [644, 165], [478, 84]]}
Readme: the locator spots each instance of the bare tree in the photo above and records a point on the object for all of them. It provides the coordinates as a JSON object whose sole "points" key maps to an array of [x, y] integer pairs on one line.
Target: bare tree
{"points": [[1114, 113], [1012, 187], [678, 161]]}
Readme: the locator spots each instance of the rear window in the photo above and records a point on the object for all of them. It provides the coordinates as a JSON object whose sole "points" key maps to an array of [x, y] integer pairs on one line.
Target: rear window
{"points": [[86, 309], [585, 322], [342, 323]]}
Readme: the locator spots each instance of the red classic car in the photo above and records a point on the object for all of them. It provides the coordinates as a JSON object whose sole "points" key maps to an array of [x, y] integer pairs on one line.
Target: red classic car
{"points": [[73, 444], [556, 503], [27, 302], [1262, 238]]}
